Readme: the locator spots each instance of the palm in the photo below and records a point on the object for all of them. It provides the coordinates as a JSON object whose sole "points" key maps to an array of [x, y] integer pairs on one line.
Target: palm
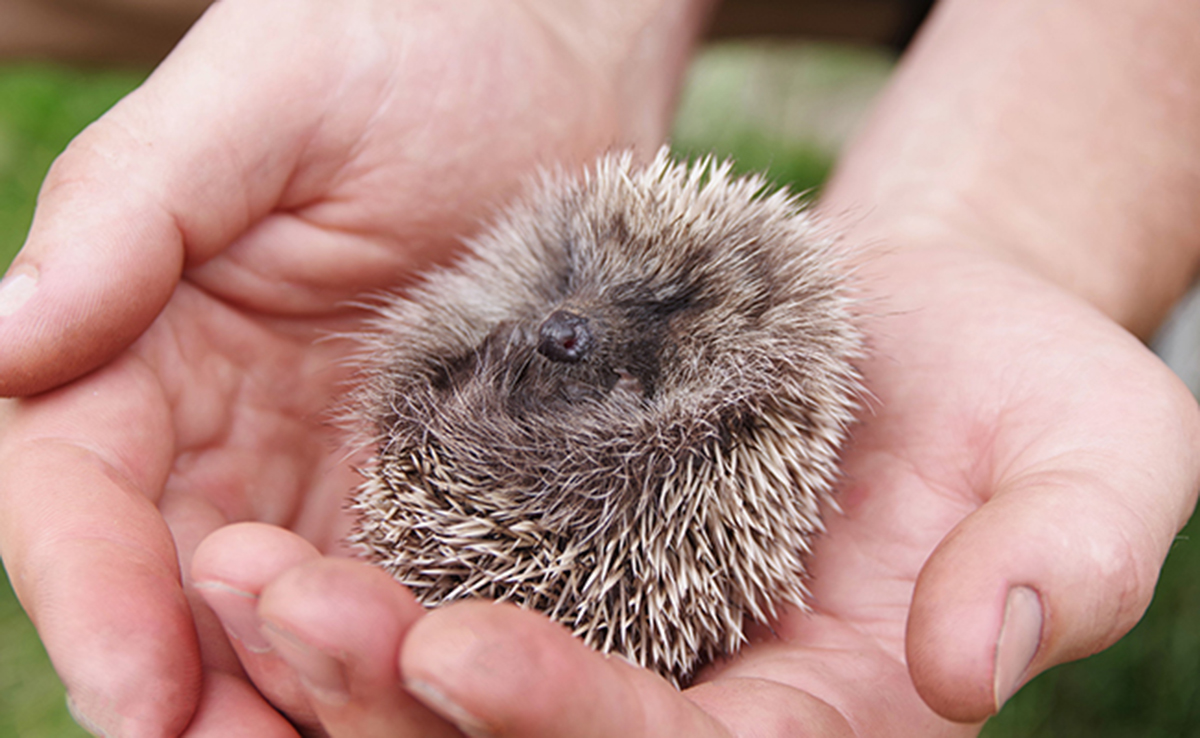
{"points": [[246, 401], [341, 207], [1011, 392]]}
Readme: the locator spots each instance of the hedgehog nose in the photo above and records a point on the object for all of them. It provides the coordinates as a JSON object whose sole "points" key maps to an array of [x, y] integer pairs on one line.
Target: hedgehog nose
{"points": [[565, 337]]}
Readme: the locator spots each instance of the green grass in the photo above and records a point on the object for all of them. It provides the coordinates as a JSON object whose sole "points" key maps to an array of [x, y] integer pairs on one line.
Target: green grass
{"points": [[31, 697], [775, 108], [41, 109], [1145, 686]]}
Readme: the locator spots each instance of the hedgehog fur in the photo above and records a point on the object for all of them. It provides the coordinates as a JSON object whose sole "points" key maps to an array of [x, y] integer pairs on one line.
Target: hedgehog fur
{"points": [[623, 408]]}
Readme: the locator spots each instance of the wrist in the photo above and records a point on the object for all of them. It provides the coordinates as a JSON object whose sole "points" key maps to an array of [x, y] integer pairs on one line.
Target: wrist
{"points": [[638, 50], [1061, 139]]}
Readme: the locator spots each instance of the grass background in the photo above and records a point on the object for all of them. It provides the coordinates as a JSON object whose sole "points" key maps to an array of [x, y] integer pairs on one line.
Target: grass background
{"points": [[783, 110]]}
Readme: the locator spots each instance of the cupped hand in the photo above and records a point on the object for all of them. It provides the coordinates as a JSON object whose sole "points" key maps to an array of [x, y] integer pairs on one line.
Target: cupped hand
{"points": [[1008, 501], [1008, 498], [1012, 491], [194, 249]]}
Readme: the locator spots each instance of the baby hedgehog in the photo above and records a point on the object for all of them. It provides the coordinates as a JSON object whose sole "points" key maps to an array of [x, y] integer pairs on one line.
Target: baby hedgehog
{"points": [[623, 409]]}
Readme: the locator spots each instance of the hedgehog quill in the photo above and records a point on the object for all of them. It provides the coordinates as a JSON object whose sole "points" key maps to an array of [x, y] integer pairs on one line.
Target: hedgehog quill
{"points": [[624, 409]]}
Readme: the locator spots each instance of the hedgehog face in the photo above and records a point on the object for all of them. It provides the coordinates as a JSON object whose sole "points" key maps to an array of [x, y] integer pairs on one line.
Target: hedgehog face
{"points": [[582, 350], [619, 319], [624, 409]]}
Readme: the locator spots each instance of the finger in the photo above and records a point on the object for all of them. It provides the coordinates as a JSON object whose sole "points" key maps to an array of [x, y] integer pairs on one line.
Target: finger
{"points": [[764, 707], [1060, 564], [340, 624], [231, 708], [89, 556], [819, 675], [230, 569], [495, 670], [165, 179]]}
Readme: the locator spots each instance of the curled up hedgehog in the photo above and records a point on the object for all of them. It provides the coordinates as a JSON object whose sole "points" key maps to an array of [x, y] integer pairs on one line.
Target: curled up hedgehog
{"points": [[623, 409]]}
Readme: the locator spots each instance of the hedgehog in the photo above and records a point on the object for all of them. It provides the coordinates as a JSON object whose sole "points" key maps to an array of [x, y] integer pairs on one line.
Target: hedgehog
{"points": [[623, 408]]}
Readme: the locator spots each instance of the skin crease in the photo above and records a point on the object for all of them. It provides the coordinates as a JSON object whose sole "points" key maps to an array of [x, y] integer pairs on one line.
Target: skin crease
{"points": [[1011, 403]]}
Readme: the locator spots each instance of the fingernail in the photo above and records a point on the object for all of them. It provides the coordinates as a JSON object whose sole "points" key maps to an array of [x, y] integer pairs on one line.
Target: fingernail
{"points": [[16, 289], [437, 700], [84, 721], [238, 612], [323, 675], [1020, 635]]}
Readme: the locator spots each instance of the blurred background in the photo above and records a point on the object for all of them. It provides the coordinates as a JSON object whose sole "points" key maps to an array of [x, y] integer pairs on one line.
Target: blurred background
{"points": [[783, 107]]}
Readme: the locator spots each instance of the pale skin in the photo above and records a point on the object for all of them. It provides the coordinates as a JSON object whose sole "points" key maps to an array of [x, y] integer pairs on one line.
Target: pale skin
{"points": [[1008, 501]]}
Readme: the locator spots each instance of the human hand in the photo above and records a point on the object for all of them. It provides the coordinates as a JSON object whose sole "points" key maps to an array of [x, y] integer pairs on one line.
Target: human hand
{"points": [[190, 250], [1023, 472], [1018, 473], [66, 584]]}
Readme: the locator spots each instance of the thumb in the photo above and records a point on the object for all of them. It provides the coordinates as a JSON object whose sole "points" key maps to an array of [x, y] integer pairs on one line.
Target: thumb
{"points": [[98, 266], [1055, 567], [1010, 593], [165, 180]]}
